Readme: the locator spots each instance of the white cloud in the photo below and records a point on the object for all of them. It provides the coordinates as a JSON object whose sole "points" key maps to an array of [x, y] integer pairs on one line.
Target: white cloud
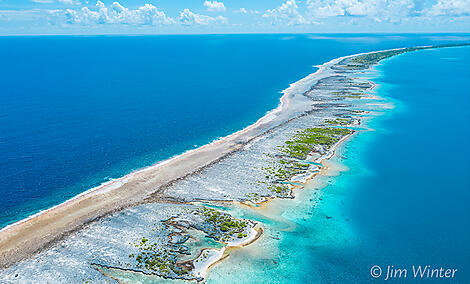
{"points": [[188, 18], [449, 8], [430, 13], [67, 2], [245, 11], [43, 1], [287, 13], [378, 10], [70, 2], [391, 11], [214, 6], [18, 15], [242, 10], [118, 14]]}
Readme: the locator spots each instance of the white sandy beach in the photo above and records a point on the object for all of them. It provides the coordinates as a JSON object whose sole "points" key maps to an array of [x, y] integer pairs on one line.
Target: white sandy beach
{"points": [[20, 240]]}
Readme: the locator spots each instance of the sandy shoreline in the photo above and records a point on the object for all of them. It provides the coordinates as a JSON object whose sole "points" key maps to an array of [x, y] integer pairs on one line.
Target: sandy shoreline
{"points": [[21, 239], [201, 269]]}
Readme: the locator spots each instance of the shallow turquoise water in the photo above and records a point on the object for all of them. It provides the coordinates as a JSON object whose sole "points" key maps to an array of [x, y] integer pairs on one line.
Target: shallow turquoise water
{"points": [[402, 201], [76, 111]]}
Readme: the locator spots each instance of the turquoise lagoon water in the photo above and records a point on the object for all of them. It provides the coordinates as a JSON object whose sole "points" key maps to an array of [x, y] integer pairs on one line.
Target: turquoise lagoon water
{"points": [[401, 197], [77, 111]]}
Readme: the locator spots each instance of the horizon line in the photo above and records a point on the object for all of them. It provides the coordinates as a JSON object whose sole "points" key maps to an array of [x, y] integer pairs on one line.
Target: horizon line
{"points": [[241, 33]]}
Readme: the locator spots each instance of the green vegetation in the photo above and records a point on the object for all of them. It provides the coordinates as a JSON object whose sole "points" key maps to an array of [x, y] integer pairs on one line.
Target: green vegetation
{"points": [[162, 261], [279, 171], [291, 162], [225, 225], [241, 235], [255, 197], [348, 95], [281, 190], [339, 121], [366, 60], [375, 57], [305, 141]]}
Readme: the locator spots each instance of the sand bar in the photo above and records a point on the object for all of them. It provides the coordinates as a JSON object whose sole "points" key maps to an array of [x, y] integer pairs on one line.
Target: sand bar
{"points": [[24, 238]]}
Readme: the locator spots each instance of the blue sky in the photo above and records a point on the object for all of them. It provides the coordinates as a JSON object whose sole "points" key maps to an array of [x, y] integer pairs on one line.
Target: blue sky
{"points": [[230, 16]]}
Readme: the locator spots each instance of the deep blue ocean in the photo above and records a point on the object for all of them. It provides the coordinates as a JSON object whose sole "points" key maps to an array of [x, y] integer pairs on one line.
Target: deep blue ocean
{"points": [[401, 200], [76, 111]]}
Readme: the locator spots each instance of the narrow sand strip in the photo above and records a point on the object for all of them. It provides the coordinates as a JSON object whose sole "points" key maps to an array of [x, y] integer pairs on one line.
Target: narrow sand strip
{"points": [[30, 235], [209, 257]]}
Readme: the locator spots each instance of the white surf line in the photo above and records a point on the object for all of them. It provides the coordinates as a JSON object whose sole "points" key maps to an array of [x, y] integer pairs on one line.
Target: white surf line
{"points": [[302, 85]]}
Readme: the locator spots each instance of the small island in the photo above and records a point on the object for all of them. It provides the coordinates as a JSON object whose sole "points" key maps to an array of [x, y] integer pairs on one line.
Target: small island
{"points": [[169, 220]]}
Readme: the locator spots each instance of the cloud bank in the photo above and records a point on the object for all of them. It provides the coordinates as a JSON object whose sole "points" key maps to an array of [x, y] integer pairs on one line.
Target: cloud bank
{"points": [[118, 14], [214, 6], [188, 18], [450, 8], [289, 15]]}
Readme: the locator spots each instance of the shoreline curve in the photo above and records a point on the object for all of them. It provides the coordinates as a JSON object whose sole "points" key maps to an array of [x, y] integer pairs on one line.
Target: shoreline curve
{"points": [[30, 235]]}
